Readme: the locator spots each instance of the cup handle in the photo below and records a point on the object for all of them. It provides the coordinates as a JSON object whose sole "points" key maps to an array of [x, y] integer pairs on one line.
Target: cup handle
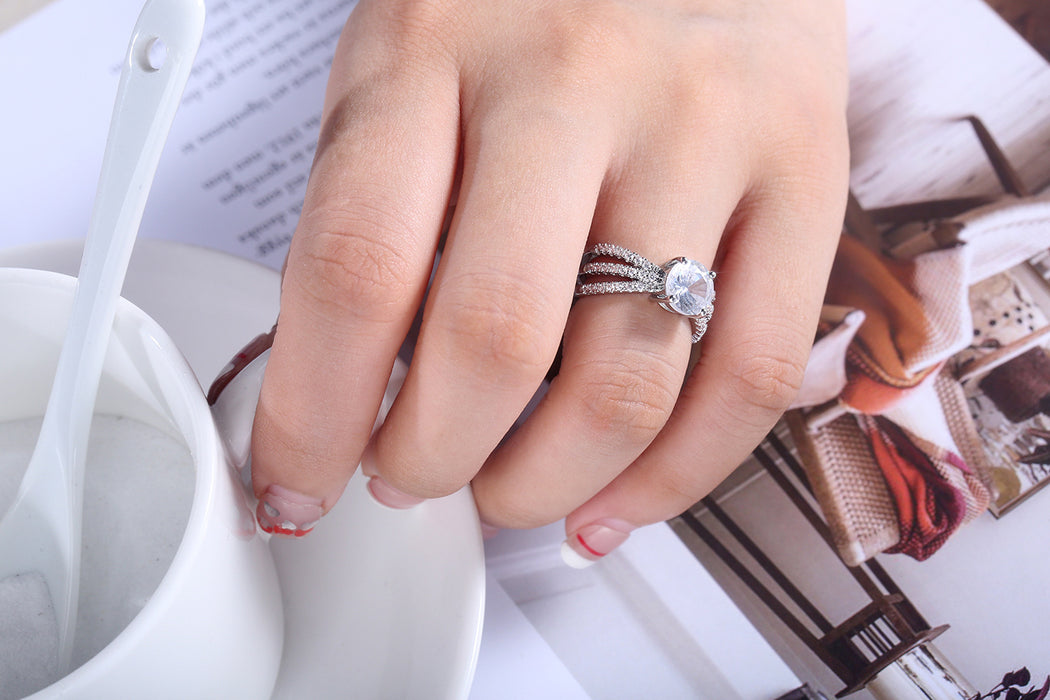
{"points": [[234, 396]]}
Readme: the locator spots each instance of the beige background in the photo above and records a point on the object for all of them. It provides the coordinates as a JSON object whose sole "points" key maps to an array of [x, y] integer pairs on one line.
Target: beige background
{"points": [[12, 11]]}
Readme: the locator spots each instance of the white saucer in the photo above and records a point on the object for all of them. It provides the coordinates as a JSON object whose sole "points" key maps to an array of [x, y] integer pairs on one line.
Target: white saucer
{"points": [[378, 602]]}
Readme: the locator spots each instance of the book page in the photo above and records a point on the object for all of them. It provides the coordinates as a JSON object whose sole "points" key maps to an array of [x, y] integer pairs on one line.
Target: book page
{"points": [[237, 160]]}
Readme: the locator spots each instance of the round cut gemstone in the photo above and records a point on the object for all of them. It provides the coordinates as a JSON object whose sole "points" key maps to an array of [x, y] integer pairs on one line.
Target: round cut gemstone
{"points": [[688, 287]]}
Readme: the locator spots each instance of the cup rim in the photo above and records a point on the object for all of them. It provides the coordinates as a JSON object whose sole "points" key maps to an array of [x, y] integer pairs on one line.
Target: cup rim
{"points": [[200, 439]]}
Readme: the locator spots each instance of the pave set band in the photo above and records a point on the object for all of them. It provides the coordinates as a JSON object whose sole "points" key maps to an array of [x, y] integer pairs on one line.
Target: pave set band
{"points": [[681, 286]]}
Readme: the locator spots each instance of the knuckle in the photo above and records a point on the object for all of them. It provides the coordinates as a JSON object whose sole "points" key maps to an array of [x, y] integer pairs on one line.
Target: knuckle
{"points": [[628, 399], [677, 490], [765, 375], [352, 263], [815, 142], [582, 50], [420, 28], [811, 143], [586, 37], [499, 324]]}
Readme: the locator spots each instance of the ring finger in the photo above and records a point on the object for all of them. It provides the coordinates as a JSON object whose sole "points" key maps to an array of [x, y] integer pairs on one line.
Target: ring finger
{"points": [[624, 358]]}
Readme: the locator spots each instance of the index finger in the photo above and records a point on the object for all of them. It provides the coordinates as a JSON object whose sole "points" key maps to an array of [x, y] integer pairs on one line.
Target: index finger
{"points": [[355, 275]]}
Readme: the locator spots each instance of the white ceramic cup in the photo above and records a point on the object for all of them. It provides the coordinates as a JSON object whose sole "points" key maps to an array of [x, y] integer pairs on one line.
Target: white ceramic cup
{"points": [[214, 626]]}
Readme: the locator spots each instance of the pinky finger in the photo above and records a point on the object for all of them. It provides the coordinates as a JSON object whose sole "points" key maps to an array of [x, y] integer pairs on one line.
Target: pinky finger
{"points": [[772, 281]]}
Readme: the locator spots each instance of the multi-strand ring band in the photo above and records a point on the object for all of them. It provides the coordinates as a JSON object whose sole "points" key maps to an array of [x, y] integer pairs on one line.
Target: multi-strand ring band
{"points": [[681, 286]]}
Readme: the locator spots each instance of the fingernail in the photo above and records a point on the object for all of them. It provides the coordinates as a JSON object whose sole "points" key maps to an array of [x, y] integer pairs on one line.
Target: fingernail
{"points": [[592, 542], [368, 461], [387, 495], [282, 511], [488, 531]]}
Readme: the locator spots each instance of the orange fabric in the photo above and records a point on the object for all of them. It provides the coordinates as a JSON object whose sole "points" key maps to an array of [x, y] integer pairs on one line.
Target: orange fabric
{"points": [[915, 316], [894, 326], [929, 507]]}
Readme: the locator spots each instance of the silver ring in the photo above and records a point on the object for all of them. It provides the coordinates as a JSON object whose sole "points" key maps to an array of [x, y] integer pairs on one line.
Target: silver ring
{"points": [[681, 286]]}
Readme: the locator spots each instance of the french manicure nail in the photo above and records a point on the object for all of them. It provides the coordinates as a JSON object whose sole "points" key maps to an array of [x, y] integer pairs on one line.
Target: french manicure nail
{"points": [[592, 542], [387, 495], [282, 511]]}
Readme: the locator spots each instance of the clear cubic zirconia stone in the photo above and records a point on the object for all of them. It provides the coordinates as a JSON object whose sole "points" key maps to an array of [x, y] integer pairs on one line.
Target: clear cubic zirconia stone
{"points": [[688, 287]]}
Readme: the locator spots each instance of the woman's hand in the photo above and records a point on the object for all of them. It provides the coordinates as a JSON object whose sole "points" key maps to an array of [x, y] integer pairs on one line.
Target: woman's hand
{"points": [[710, 129]]}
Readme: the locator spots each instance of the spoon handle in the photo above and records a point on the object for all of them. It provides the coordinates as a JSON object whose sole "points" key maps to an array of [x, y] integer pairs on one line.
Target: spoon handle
{"points": [[161, 52], [155, 70]]}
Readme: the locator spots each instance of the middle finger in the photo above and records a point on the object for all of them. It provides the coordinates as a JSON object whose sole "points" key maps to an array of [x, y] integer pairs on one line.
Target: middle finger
{"points": [[500, 297]]}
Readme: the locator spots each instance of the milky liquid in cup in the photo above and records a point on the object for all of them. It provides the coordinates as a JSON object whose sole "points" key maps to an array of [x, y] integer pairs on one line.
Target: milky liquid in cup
{"points": [[138, 488]]}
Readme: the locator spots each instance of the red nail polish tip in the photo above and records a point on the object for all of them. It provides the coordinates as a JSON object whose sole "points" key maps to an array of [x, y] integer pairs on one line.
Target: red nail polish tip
{"points": [[285, 512], [590, 543], [284, 531], [588, 548]]}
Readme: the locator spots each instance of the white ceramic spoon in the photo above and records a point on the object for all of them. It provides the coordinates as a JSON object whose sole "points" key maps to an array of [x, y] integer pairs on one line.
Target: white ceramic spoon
{"points": [[41, 531]]}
